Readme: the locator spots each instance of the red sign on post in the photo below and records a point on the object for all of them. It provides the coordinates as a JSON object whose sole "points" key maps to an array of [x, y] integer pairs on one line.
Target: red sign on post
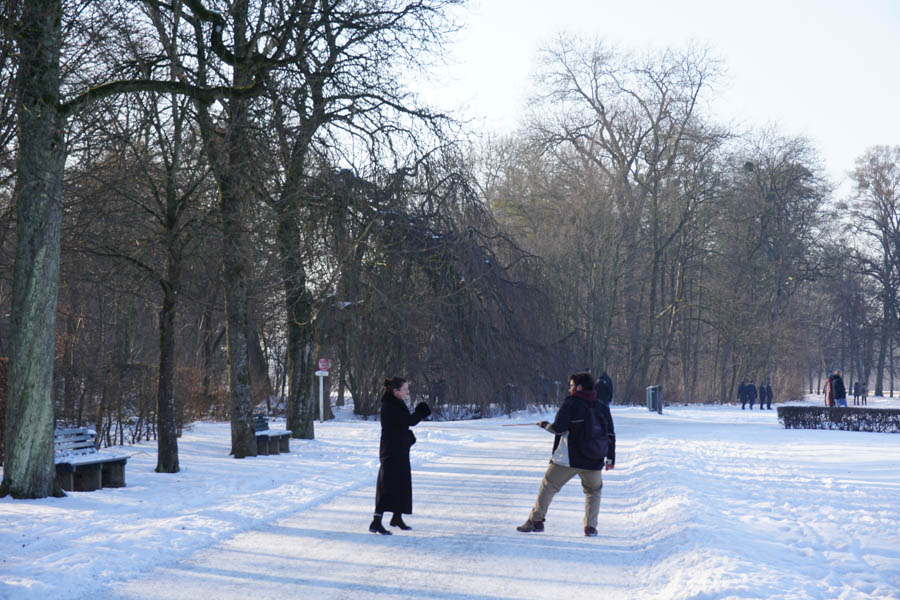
{"points": [[324, 364]]}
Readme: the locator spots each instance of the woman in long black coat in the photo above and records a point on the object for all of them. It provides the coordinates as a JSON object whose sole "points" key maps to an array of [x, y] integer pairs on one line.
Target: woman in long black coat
{"points": [[393, 491]]}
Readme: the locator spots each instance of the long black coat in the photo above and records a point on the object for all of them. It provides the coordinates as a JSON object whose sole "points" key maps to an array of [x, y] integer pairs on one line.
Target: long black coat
{"points": [[393, 492]]}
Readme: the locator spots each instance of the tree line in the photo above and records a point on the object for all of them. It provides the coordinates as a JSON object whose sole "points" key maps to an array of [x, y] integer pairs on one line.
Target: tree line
{"points": [[202, 197]]}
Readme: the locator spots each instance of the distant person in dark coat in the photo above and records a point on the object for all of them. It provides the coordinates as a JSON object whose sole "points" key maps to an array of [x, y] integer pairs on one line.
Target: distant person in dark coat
{"points": [[751, 394], [393, 491], [769, 396], [855, 393], [742, 394], [864, 393], [838, 389]]}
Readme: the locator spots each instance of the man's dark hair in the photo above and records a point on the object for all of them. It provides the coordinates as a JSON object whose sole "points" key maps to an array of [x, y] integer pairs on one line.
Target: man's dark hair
{"points": [[585, 380]]}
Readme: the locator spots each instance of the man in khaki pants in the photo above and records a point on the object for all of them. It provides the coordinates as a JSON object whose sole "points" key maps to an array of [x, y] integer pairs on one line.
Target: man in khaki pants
{"points": [[584, 442]]}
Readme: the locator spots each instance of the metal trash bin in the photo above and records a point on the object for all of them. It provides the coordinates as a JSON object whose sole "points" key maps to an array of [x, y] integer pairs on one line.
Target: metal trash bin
{"points": [[654, 398]]}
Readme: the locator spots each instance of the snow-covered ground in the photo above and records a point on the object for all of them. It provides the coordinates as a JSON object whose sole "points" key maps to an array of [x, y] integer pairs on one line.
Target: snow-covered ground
{"points": [[705, 502]]}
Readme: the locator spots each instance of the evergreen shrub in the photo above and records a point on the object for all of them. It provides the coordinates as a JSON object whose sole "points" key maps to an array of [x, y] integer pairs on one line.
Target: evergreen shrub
{"points": [[850, 418]]}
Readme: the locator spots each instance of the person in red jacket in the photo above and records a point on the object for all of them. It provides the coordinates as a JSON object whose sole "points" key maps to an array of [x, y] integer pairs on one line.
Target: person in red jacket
{"points": [[575, 452], [829, 393]]}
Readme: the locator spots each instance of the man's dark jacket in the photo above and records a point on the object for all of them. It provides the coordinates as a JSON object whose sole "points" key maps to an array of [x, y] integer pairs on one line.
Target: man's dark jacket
{"points": [[570, 418], [838, 390]]}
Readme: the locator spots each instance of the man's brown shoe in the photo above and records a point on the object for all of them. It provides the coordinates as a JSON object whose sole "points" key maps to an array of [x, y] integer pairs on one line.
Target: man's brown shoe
{"points": [[531, 526]]}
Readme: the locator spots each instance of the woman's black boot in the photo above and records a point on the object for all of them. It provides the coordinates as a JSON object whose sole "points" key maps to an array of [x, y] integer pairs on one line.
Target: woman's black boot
{"points": [[397, 521], [376, 527]]}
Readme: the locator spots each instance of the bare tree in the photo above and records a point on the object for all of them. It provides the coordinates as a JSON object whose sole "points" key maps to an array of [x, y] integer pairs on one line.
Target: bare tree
{"points": [[43, 110], [634, 120], [876, 216], [339, 89]]}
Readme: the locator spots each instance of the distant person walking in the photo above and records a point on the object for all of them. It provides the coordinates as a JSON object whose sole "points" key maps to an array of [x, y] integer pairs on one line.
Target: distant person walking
{"points": [[393, 490], [769, 396], [838, 389], [751, 394], [742, 394], [829, 392], [864, 393], [855, 393], [585, 442]]}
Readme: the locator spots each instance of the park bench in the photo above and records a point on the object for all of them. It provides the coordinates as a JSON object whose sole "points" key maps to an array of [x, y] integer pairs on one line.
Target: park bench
{"points": [[80, 466], [270, 441]]}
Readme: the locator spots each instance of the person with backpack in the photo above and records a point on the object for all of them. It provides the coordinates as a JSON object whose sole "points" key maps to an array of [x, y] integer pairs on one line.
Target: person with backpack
{"points": [[584, 443]]}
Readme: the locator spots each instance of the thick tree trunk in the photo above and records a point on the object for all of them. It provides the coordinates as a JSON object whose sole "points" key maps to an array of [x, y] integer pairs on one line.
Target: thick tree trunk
{"points": [[298, 308], [29, 471], [235, 275], [230, 163], [167, 443]]}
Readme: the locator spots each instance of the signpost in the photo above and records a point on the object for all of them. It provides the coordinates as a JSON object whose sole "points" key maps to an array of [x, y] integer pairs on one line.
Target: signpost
{"points": [[324, 364]]}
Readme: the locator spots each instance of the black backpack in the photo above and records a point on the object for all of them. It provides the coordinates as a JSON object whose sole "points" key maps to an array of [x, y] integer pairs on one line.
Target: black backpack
{"points": [[593, 437]]}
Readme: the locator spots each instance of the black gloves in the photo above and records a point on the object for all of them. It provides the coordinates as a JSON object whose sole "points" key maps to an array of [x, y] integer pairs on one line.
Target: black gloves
{"points": [[423, 409]]}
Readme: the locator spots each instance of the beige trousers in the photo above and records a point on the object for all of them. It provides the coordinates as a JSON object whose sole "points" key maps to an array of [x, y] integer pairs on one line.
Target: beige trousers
{"points": [[556, 477]]}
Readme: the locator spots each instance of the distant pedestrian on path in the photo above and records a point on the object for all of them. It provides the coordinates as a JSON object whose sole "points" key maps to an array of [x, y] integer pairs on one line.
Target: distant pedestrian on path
{"points": [[838, 389], [855, 393], [829, 391], [393, 490], [864, 393], [768, 396], [742, 394], [751, 394], [585, 442]]}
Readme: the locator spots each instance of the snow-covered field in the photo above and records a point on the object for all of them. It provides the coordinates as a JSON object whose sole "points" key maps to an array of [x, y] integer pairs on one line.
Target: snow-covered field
{"points": [[705, 502]]}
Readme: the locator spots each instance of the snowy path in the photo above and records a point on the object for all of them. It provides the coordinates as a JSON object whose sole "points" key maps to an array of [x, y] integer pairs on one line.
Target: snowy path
{"points": [[705, 503], [687, 515], [463, 545]]}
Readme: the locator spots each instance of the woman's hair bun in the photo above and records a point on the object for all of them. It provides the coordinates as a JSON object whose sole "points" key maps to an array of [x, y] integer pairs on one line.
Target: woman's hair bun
{"points": [[394, 383]]}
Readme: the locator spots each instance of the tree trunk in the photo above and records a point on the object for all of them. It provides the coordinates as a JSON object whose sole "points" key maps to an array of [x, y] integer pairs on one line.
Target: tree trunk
{"points": [[167, 453], [300, 405], [882, 357], [229, 157], [342, 384], [29, 471], [235, 275]]}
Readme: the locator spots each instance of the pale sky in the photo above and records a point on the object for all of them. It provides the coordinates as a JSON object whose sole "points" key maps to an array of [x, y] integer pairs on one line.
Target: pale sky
{"points": [[828, 70]]}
